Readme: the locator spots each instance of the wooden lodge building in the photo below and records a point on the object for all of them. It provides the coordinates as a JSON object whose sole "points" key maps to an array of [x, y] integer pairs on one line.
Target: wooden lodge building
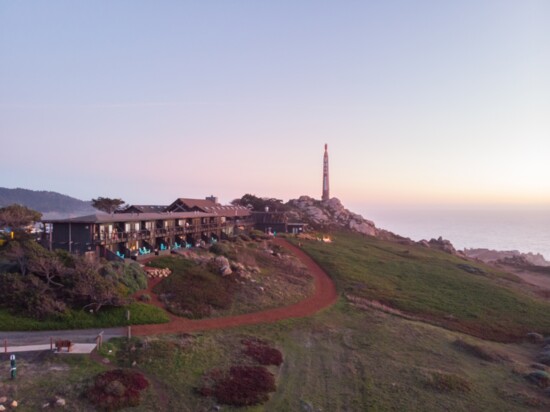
{"points": [[140, 230]]}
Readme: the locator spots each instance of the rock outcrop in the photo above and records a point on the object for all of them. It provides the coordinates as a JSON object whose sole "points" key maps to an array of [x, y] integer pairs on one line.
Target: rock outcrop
{"points": [[157, 272], [509, 257], [441, 244], [329, 214]]}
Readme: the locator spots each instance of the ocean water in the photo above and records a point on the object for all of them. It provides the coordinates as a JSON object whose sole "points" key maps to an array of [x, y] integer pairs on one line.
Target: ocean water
{"points": [[526, 230]]}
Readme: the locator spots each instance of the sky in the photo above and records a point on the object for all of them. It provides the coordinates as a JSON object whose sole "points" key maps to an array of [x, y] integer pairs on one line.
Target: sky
{"points": [[422, 103]]}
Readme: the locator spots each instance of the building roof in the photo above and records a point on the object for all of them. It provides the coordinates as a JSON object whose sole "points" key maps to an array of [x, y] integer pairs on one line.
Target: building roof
{"points": [[129, 217], [193, 203], [208, 206], [144, 209], [228, 210]]}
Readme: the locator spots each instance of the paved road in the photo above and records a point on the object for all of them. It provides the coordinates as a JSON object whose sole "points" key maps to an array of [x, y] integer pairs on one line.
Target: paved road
{"points": [[43, 337]]}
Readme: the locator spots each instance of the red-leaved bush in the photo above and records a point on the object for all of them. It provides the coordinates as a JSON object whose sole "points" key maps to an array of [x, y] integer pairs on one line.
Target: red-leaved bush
{"points": [[241, 386], [117, 389], [261, 352]]}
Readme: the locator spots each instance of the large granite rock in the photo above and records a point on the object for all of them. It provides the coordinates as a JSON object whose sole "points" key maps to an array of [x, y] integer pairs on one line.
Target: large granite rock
{"points": [[329, 214], [221, 265]]}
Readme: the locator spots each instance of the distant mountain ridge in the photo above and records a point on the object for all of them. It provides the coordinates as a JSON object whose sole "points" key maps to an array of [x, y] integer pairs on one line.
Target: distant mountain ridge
{"points": [[51, 204]]}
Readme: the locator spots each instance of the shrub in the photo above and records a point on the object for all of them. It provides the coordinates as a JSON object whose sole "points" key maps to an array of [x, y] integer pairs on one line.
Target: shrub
{"points": [[27, 294], [261, 352], [217, 249], [130, 275], [117, 389], [258, 235], [241, 386], [145, 297], [447, 382]]}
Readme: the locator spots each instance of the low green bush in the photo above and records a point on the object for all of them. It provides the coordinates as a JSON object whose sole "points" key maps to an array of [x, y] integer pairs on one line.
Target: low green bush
{"points": [[73, 319]]}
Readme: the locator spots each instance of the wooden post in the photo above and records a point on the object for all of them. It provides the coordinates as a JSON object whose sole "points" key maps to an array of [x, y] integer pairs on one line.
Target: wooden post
{"points": [[129, 332], [100, 340]]}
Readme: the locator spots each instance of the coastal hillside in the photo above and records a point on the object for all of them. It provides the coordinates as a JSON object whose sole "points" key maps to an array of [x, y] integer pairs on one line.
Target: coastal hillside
{"points": [[49, 203], [331, 215], [433, 286], [413, 328]]}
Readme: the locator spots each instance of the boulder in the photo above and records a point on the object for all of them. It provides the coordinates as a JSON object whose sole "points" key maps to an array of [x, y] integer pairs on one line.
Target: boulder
{"points": [[221, 265], [316, 215], [60, 402], [365, 227]]}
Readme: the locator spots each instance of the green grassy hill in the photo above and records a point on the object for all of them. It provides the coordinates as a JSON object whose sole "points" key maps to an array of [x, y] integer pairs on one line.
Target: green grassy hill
{"points": [[434, 286]]}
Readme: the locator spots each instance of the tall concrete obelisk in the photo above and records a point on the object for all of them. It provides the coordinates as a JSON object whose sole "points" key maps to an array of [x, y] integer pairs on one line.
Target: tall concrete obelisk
{"points": [[326, 195]]}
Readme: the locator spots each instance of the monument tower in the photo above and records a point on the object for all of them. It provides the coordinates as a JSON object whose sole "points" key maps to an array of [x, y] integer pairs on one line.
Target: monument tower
{"points": [[325, 175]]}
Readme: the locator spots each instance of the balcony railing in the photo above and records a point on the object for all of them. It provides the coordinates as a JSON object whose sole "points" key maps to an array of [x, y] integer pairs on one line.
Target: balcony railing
{"points": [[125, 236]]}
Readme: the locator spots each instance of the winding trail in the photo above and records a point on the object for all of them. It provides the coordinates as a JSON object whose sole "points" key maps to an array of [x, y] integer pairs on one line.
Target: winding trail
{"points": [[324, 295]]}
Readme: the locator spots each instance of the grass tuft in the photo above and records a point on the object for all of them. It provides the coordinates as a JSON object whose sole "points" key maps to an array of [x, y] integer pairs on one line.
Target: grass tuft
{"points": [[447, 382]]}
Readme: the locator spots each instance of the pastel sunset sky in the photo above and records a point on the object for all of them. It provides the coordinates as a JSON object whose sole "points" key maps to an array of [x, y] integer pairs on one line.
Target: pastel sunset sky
{"points": [[421, 102]]}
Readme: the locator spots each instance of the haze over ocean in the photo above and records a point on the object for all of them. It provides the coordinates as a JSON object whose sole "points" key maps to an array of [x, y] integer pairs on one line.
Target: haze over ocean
{"points": [[526, 230]]}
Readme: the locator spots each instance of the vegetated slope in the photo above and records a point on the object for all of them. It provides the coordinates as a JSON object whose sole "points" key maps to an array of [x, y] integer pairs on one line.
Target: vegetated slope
{"points": [[263, 275], [44, 201], [348, 359], [444, 289]]}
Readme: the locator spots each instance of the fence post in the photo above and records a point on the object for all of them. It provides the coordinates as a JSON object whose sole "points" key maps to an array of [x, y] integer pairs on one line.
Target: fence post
{"points": [[129, 332]]}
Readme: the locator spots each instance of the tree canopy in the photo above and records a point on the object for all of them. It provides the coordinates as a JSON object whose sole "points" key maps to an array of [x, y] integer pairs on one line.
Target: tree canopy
{"points": [[106, 204], [259, 204], [44, 284], [18, 216]]}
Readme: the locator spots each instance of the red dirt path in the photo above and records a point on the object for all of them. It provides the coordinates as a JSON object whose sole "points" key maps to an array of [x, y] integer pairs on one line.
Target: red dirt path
{"points": [[323, 296]]}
